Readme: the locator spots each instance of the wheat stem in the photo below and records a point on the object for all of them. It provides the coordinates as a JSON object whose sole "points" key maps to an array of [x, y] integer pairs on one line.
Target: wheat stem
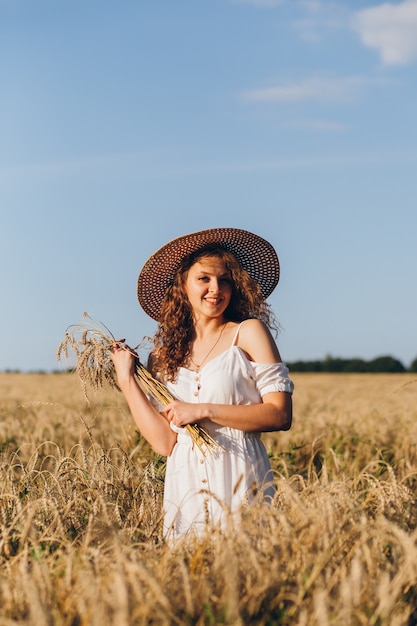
{"points": [[91, 343]]}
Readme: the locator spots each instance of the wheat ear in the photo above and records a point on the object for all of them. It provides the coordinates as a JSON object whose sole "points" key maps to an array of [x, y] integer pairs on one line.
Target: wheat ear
{"points": [[91, 343]]}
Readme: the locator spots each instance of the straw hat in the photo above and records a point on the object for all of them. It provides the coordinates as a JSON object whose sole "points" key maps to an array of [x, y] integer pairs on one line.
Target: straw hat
{"points": [[254, 254]]}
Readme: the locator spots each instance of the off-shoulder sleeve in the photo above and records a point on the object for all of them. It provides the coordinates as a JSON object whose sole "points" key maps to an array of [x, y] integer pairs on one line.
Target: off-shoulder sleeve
{"points": [[271, 377]]}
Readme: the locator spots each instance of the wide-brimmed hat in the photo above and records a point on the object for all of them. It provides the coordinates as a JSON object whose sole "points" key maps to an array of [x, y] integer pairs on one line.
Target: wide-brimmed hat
{"points": [[256, 255]]}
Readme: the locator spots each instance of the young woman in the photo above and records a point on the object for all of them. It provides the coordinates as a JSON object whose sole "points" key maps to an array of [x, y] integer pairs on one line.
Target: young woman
{"points": [[215, 352]]}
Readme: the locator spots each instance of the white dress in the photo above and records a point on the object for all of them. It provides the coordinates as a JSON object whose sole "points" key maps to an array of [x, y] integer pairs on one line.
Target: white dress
{"points": [[202, 488]]}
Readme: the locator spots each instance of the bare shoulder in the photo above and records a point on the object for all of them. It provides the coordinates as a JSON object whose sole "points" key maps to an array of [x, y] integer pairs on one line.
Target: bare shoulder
{"points": [[257, 341]]}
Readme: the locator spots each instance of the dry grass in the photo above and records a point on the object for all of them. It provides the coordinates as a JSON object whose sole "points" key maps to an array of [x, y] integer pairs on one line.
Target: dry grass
{"points": [[80, 515]]}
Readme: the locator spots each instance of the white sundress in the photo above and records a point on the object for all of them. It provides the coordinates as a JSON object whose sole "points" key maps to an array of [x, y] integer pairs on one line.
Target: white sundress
{"points": [[204, 488]]}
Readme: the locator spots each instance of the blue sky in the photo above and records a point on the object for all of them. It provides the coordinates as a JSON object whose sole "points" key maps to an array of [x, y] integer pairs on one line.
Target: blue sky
{"points": [[125, 124]]}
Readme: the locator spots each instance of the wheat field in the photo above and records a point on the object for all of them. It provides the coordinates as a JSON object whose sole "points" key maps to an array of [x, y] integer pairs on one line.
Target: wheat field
{"points": [[80, 514]]}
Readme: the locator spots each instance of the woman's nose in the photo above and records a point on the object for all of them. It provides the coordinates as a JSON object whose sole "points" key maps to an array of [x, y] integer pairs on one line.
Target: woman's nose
{"points": [[214, 286]]}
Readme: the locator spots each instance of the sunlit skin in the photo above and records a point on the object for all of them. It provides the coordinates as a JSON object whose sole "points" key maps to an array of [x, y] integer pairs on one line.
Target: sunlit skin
{"points": [[209, 289]]}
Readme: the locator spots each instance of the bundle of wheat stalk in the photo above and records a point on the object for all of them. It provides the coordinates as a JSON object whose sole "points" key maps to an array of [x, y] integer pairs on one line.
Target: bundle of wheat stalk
{"points": [[91, 343]]}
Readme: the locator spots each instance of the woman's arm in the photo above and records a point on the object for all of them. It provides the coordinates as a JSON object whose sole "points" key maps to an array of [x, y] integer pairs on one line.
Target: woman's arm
{"points": [[151, 424], [273, 413]]}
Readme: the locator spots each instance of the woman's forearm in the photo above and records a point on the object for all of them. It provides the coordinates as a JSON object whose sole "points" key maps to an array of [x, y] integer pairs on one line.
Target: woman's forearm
{"points": [[270, 415], [274, 413], [151, 424]]}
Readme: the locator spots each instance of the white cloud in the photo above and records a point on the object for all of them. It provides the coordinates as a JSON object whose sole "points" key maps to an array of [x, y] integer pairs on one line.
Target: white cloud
{"points": [[391, 29], [310, 89]]}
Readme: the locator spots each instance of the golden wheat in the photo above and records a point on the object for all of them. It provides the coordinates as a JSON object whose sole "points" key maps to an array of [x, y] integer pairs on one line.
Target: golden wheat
{"points": [[91, 343], [81, 510]]}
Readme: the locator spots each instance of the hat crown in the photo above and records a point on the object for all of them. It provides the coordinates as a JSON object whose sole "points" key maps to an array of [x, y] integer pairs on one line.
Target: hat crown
{"points": [[256, 255]]}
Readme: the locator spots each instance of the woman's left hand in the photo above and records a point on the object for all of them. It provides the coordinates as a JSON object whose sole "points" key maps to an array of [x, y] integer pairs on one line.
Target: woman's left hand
{"points": [[181, 413]]}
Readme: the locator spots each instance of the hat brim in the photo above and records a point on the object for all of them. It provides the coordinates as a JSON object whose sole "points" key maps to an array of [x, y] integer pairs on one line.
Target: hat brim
{"points": [[256, 255]]}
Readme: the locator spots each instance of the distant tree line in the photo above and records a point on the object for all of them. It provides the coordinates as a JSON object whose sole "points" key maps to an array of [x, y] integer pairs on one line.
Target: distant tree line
{"points": [[379, 365]]}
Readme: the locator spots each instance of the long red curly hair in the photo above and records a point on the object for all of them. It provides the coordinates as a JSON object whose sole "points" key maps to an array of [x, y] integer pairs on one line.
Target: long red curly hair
{"points": [[175, 332]]}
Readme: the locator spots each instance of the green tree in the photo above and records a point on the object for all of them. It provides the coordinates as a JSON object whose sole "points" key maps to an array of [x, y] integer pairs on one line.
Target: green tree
{"points": [[413, 366], [386, 364]]}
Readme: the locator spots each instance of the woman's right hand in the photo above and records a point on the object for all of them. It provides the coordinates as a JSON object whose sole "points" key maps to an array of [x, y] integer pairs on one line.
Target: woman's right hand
{"points": [[124, 359]]}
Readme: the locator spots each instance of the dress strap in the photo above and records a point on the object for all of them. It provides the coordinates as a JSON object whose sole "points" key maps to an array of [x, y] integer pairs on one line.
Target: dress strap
{"points": [[236, 334]]}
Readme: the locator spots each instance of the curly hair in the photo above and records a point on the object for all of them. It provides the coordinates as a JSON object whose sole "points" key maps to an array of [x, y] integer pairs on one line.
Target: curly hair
{"points": [[175, 331]]}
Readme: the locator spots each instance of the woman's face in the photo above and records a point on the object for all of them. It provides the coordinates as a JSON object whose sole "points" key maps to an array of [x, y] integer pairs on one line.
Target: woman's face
{"points": [[209, 287]]}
